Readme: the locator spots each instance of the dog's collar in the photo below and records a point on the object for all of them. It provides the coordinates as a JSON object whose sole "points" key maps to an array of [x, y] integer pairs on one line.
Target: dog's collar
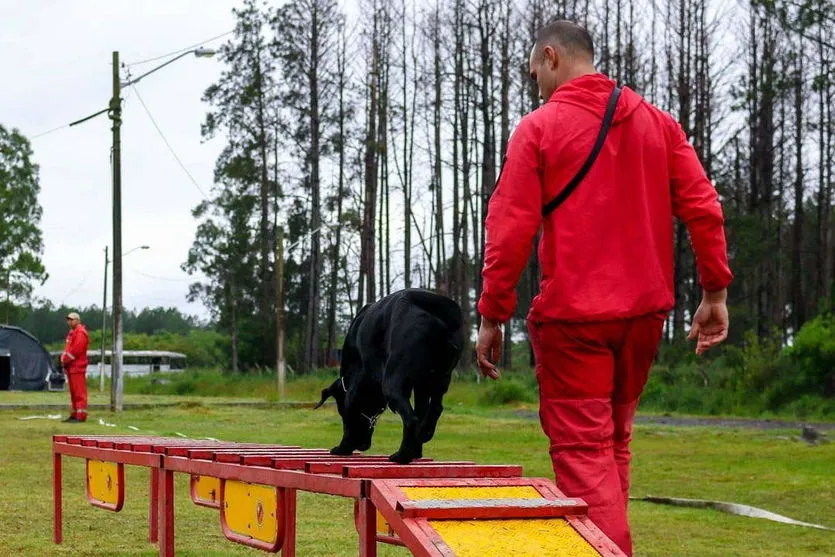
{"points": [[372, 420], [342, 380]]}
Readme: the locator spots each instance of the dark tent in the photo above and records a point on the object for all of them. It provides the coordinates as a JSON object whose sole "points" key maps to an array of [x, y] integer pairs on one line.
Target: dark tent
{"points": [[25, 365]]}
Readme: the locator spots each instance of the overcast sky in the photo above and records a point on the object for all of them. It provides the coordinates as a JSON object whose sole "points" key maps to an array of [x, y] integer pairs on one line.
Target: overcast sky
{"points": [[55, 57]]}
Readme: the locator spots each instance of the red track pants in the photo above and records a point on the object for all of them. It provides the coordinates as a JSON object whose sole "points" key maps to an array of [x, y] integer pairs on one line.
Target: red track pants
{"points": [[78, 394], [590, 378]]}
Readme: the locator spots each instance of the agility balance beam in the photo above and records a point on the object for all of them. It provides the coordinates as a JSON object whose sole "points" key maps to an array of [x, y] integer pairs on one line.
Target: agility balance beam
{"points": [[435, 509]]}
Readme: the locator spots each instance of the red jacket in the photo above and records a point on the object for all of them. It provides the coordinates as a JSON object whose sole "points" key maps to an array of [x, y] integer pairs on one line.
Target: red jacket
{"points": [[74, 358], [607, 252]]}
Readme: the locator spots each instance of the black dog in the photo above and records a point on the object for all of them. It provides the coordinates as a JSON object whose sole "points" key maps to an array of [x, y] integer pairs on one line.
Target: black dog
{"points": [[409, 341]]}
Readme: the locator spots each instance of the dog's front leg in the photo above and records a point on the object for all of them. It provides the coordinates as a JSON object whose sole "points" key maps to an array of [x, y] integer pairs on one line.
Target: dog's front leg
{"points": [[345, 447]]}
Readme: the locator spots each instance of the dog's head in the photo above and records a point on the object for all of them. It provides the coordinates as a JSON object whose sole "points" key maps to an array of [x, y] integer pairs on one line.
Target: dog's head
{"points": [[358, 411], [358, 399]]}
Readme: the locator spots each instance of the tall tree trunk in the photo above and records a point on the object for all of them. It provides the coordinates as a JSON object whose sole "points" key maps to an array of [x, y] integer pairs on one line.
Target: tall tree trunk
{"points": [[798, 304], [824, 197], [341, 60], [488, 144], [311, 356], [407, 220], [504, 136], [370, 170], [264, 192], [234, 321]]}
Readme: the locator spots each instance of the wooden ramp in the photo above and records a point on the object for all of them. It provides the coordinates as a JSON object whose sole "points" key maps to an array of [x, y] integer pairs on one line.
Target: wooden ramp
{"points": [[486, 517]]}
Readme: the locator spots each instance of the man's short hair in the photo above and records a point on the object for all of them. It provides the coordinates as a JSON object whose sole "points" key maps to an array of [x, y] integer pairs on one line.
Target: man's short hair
{"points": [[574, 39]]}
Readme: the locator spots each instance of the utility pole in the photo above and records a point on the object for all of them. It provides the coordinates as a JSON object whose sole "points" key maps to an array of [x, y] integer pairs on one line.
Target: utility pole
{"points": [[279, 311], [115, 113], [103, 324]]}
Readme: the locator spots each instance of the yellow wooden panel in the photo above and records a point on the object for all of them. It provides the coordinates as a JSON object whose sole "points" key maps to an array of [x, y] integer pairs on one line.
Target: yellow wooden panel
{"points": [[487, 492], [207, 488], [520, 538], [382, 525], [251, 510], [103, 481]]}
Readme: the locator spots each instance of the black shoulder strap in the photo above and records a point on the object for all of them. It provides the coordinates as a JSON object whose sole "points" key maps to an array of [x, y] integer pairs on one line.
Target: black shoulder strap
{"points": [[598, 145]]}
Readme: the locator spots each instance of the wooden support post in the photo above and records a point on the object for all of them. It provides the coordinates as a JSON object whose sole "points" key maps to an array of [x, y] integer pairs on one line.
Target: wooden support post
{"points": [[367, 528], [288, 549], [166, 513], [153, 507], [57, 499]]}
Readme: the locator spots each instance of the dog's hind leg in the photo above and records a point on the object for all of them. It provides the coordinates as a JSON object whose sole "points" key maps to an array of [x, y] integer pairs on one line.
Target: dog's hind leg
{"points": [[430, 420], [439, 387], [422, 397], [396, 392]]}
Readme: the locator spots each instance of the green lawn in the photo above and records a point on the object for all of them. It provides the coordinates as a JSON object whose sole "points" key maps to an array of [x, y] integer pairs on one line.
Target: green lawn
{"points": [[764, 469]]}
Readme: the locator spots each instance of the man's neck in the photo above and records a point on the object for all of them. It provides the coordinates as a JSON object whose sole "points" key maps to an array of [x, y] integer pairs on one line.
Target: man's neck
{"points": [[580, 70]]}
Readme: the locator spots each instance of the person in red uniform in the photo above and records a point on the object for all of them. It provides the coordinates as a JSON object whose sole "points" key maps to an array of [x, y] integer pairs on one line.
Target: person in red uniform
{"points": [[606, 256], [74, 360]]}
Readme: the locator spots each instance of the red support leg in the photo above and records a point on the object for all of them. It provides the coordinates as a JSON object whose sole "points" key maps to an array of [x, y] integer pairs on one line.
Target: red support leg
{"points": [[57, 533], [288, 549], [166, 513], [367, 528], [153, 507]]}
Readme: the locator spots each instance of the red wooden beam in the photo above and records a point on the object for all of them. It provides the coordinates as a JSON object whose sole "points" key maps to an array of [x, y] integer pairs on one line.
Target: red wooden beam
{"points": [[433, 470], [109, 455], [291, 479], [238, 457], [466, 509], [335, 466]]}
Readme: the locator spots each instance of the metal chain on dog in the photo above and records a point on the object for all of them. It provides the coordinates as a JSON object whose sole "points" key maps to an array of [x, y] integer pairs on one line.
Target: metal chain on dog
{"points": [[372, 420]]}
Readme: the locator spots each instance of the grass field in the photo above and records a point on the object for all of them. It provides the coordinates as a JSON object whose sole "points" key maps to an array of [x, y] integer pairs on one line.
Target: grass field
{"points": [[760, 468]]}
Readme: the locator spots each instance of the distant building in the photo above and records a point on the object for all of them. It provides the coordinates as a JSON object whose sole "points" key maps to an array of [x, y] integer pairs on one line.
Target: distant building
{"points": [[136, 362]]}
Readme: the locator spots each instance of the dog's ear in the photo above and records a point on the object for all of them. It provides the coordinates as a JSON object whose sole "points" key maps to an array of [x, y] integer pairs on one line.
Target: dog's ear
{"points": [[326, 393], [329, 391]]}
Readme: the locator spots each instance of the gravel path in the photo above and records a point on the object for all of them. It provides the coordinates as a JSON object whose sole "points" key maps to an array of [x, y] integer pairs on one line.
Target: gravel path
{"points": [[748, 423]]}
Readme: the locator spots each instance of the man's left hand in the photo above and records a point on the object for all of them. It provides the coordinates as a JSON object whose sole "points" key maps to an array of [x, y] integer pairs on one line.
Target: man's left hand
{"points": [[489, 348]]}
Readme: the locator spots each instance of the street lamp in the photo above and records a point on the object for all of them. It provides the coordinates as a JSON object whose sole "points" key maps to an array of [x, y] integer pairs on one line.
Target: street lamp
{"points": [[134, 249], [114, 112], [104, 314]]}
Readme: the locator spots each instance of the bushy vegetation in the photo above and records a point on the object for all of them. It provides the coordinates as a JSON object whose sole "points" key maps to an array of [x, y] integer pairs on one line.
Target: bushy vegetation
{"points": [[759, 376], [202, 347]]}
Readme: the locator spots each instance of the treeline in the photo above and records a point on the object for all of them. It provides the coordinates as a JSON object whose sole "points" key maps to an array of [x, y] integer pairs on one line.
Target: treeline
{"points": [[48, 324], [373, 141]]}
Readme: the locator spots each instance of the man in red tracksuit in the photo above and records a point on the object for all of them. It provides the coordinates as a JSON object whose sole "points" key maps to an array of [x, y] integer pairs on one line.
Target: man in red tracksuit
{"points": [[74, 360], [606, 255]]}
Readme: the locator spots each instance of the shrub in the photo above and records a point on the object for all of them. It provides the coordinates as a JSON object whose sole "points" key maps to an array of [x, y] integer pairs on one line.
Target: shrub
{"points": [[813, 357], [506, 391]]}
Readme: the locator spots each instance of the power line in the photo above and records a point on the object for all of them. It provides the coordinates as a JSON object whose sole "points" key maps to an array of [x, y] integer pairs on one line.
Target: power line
{"points": [[47, 132], [168, 279], [77, 286], [195, 45], [167, 144]]}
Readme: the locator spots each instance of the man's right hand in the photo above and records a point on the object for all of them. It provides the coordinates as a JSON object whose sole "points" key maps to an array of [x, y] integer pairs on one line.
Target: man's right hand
{"points": [[710, 322]]}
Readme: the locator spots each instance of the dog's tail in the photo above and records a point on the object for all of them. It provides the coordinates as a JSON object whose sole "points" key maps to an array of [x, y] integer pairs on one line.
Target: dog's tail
{"points": [[445, 309]]}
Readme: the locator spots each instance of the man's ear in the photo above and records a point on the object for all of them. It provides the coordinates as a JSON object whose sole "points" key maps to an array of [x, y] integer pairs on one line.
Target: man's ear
{"points": [[551, 56]]}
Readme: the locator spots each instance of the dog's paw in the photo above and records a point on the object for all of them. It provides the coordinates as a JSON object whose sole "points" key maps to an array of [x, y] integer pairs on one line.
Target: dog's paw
{"points": [[403, 456], [339, 450], [426, 435]]}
